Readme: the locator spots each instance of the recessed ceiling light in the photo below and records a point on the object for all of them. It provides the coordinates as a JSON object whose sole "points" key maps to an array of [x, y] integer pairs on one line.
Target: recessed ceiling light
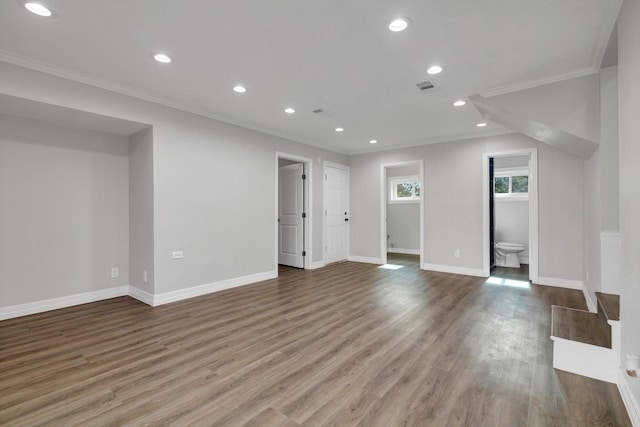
{"points": [[239, 89], [38, 9], [163, 58], [399, 24], [434, 69], [481, 125], [339, 129], [459, 103], [289, 110], [373, 141]]}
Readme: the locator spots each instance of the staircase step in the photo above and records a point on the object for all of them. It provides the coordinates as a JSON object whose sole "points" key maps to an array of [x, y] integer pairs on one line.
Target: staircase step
{"points": [[609, 304], [581, 326]]}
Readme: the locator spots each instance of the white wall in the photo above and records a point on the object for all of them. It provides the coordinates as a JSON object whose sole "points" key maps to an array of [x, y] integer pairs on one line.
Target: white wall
{"points": [[141, 210], [64, 211], [629, 150], [453, 203], [403, 219], [214, 183]]}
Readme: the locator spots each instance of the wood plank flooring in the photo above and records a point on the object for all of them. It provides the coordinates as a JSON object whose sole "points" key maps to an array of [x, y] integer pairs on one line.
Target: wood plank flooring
{"points": [[350, 344]]}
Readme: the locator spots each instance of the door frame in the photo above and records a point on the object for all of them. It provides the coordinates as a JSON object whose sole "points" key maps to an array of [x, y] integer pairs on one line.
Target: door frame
{"points": [[326, 164], [383, 206], [308, 205], [533, 209]]}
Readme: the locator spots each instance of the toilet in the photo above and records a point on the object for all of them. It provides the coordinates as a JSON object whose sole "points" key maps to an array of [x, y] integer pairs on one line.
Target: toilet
{"points": [[507, 254]]}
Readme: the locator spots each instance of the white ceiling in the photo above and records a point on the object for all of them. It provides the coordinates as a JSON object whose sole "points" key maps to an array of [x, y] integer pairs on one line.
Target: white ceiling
{"points": [[332, 54]]}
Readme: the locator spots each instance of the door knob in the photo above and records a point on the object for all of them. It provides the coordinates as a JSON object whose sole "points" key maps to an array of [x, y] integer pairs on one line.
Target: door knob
{"points": [[346, 219]]}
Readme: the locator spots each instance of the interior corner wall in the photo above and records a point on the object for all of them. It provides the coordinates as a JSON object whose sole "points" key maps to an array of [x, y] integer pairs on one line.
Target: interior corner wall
{"points": [[453, 180], [214, 183], [64, 219], [141, 210], [629, 151]]}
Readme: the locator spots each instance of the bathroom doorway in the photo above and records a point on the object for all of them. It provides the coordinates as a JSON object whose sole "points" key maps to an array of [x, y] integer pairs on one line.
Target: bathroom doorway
{"points": [[510, 215], [402, 213]]}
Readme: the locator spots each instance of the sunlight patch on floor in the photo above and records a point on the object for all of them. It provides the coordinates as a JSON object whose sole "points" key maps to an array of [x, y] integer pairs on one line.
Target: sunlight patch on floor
{"points": [[508, 282], [391, 266]]}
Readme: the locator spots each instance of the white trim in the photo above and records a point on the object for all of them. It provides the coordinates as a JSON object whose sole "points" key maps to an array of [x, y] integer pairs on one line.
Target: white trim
{"points": [[383, 205], [61, 302], [630, 402], [325, 165], [403, 251], [559, 283], [365, 259], [140, 295], [502, 90], [584, 359], [316, 265], [591, 303], [308, 207], [533, 209], [464, 271], [195, 291]]}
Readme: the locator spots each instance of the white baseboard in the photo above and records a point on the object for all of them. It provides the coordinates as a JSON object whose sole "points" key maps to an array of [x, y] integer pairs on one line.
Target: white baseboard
{"points": [[560, 283], [454, 269], [61, 302], [364, 259], [195, 291], [140, 295], [630, 402], [404, 251], [317, 264]]}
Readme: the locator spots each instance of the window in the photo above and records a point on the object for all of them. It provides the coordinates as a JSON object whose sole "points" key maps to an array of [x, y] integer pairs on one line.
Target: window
{"points": [[513, 184], [404, 189]]}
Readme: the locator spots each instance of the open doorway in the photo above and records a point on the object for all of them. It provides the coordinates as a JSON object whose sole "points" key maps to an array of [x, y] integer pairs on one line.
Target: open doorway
{"points": [[293, 204], [402, 210], [511, 219]]}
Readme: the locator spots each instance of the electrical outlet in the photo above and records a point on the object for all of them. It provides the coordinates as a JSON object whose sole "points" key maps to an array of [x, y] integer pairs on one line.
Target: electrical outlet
{"points": [[115, 272], [456, 253], [145, 276], [176, 254]]}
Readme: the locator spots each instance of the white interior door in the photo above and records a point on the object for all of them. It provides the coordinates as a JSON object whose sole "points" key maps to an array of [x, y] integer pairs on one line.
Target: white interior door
{"points": [[336, 213], [290, 215]]}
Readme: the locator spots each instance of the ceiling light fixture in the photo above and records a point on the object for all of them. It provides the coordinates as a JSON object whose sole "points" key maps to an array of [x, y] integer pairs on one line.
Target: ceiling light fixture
{"points": [[434, 69], [481, 125], [459, 103], [162, 58], [239, 89], [399, 24], [38, 9], [289, 110], [339, 129], [373, 141]]}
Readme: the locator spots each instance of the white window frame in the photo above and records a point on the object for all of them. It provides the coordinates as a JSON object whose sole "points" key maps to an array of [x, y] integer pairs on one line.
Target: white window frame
{"points": [[510, 173], [395, 180]]}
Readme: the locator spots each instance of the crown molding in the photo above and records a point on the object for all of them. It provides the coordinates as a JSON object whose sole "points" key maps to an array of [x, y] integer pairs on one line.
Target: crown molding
{"points": [[516, 87], [89, 80]]}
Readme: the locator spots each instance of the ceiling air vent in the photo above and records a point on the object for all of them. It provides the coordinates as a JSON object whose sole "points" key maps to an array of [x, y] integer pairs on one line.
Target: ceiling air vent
{"points": [[322, 112], [426, 85]]}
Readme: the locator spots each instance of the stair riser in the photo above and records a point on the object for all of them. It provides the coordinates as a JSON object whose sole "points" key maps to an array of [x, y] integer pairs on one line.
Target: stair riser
{"points": [[585, 359]]}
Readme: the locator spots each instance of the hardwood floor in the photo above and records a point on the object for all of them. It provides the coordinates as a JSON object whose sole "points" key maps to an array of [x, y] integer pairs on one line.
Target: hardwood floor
{"points": [[349, 344]]}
